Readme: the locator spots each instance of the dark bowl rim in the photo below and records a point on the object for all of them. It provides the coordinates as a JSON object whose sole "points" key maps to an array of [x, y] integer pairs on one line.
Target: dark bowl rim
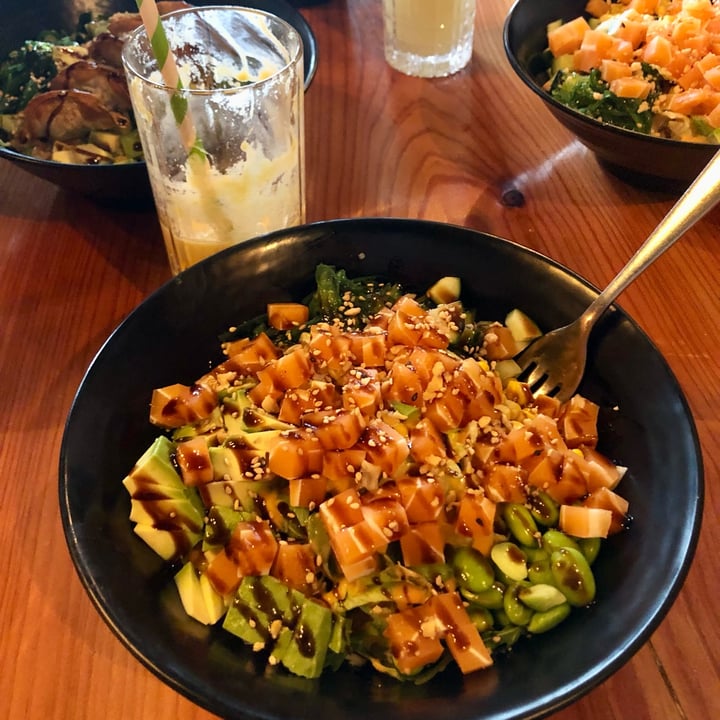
{"points": [[524, 75], [550, 702]]}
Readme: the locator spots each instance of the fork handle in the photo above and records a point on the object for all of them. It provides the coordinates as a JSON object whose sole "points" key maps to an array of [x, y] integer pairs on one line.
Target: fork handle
{"points": [[696, 201]]}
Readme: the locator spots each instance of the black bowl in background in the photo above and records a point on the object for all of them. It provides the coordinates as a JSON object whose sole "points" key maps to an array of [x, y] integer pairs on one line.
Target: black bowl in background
{"points": [[126, 184], [645, 424], [651, 162]]}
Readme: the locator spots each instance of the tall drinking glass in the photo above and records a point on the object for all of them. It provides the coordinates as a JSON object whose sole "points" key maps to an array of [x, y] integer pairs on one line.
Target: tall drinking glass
{"points": [[242, 77], [428, 38]]}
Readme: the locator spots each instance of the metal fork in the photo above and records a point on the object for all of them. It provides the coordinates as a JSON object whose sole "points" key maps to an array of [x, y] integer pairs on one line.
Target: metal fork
{"points": [[554, 363]]}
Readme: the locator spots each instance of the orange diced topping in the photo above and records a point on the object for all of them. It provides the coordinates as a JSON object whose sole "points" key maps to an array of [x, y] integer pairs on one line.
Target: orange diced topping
{"points": [[283, 316], [385, 447]]}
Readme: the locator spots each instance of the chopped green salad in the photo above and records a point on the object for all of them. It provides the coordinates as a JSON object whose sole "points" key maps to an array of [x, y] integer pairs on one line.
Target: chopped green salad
{"points": [[650, 66], [591, 95], [365, 479]]}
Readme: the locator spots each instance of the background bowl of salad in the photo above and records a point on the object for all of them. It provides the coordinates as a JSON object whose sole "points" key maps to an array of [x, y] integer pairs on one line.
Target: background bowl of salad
{"points": [[94, 150], [174, 336], [654, 162]]}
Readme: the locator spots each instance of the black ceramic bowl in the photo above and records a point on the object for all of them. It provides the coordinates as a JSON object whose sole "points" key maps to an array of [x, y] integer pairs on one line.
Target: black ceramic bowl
{"points": [[172, 336], [656, 163], [116, 184]]}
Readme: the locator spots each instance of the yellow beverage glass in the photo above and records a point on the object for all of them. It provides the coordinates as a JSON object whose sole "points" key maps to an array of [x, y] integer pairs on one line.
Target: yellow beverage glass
{"points": [[428, 38], [242, 77]]}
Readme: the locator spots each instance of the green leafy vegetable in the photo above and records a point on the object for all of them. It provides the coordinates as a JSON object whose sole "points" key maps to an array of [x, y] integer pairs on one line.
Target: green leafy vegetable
{"points": [[335, 293], [24, 73], [591, 95]]}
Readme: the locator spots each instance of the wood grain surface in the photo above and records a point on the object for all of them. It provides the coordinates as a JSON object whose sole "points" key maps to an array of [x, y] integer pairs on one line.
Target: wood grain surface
{"points": [[477, 149]]}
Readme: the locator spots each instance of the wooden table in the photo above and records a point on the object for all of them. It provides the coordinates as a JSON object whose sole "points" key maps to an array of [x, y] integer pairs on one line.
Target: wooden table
{"points": [[378, 144]]}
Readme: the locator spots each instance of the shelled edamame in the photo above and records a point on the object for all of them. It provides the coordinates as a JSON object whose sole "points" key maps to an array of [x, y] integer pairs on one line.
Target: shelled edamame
{"points": [[532, 578]]}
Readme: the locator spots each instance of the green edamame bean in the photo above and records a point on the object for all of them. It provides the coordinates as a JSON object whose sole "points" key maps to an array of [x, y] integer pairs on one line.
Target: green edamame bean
{"points": [[541, 597], [543, 508], [536, 553], [521, 525], [510, 560], [539, 570], [481, 618], [472, 570], [492, 598], [501, 618], [541, 622], [590, 547], [517, 611], [554, 539], [573, 576]]}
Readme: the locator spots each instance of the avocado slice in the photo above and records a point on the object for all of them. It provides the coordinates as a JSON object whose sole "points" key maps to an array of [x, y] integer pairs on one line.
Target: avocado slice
{"points": [[212, 427], [198, 597], [109, 141], [155, 466], [238, 494], [131, 145], [261, 608], [242, 453], [243, 416], [168, 544], [219, 524], [303, 649], [268, 614], [168, 515]]}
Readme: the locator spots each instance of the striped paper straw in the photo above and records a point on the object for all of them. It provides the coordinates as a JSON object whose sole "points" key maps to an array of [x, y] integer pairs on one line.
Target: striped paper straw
{"points": [[197, 157], [169, 70]]}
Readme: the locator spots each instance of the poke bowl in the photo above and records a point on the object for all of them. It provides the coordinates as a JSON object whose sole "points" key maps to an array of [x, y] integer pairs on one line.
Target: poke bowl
{"points": [[644, 424], [647, 160], [95, 173]]}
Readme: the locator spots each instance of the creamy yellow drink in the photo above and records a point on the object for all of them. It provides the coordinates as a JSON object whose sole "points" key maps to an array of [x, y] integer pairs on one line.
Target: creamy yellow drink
{"points": [[211, 211], [428, 37], [242, 175]]}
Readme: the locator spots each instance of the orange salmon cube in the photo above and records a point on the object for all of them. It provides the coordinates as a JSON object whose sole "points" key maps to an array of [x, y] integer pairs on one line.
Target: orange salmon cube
{"points": [[253, 547], [413, 639], [291, 370], [568, 37], [387, 516], [336, 429], [307, 491], [612, 70], [460, 634], [283, 316], [368, 349], [341, 511], [608, 500], [295, 454], [422, 499], [193, 458], [295, 566], [426, 442], [423, 544], [505, 483], [631, 87], [251, 355], [223, 573], [475, 519], [384, 446], [585, 522], [634, 31], [658, 51]]}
